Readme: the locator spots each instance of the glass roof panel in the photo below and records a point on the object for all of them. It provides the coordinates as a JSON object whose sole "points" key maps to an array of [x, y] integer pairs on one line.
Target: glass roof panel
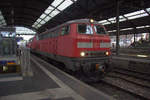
{"points": [[42, 22], [121, 17], [60, 4], [147, 26], [112, 31], [43, 16], [55, 3], [140, 27], [47, 18], [54, 13], [138, 16], [126, 29], [36, 27], [135, 13], [148, 9], [38, 20], [103, 21], [112, 19], [35, 23], [39, 25], [2, 21], [106, 23], [65, 4], [48, 10], [1, 17], [121, 20]]}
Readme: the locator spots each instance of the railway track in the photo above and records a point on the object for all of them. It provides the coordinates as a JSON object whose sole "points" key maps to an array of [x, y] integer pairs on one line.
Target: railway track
{"points": [[132, 73], [132, 86], [133, 82], [129, 87], [140, 82]]}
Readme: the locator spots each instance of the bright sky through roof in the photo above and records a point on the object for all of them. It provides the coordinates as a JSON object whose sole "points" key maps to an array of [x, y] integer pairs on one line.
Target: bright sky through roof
{"points": [[54, 9], [125, 17], [24, 30]]}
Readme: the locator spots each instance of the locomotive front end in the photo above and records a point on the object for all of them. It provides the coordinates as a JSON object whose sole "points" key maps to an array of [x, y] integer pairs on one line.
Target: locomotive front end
{"points": [[92, 49]]}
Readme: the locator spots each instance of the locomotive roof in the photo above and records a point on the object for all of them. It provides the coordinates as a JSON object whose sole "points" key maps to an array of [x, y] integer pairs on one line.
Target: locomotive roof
{"points": [[71, 22]]}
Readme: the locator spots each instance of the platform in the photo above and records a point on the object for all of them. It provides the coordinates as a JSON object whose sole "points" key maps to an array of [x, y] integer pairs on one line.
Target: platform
{"points": [[47, 83], [132, 63], [131, 58]]}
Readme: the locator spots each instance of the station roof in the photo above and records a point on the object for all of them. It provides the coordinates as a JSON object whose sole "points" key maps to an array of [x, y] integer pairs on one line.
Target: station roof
{"points": [[45, 14]]}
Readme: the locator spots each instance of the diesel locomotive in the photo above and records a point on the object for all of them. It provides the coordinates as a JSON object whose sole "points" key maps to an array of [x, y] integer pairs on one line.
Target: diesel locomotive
{"points": [[82, 45]]}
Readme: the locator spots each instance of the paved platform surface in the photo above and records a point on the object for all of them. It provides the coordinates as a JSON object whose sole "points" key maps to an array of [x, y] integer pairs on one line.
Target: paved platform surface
{"points": [[47, 83]]}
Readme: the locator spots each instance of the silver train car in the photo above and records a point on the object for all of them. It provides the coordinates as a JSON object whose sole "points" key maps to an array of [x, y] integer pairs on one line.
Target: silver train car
{"points": [[9, 61]]}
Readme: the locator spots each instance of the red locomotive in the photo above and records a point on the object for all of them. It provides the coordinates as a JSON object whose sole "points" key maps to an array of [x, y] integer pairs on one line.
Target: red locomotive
{"points": [[82, 45]]}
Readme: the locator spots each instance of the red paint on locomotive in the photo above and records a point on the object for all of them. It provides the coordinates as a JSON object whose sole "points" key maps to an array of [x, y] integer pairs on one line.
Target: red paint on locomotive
{"points": [[67, 40]]}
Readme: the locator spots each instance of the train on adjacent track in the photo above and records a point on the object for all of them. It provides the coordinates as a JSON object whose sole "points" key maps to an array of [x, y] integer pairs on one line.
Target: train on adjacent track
{"points": [[9, 61], [82, 45]]}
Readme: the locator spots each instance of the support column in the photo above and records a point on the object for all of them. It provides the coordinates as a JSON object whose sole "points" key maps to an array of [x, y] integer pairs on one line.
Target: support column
{"points": [[118, 28], [134, 37], [149, 36]]}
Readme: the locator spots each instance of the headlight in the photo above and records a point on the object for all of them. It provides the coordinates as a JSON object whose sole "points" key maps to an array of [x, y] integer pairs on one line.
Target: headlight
{"points": [[82, 54], [91, 21], [107, 53]]}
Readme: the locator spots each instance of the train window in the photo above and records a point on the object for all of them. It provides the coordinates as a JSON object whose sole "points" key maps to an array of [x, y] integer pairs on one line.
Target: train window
{"points": [[85, 29], [99, 29], [37, 37], [65, 30], [31, 40]]}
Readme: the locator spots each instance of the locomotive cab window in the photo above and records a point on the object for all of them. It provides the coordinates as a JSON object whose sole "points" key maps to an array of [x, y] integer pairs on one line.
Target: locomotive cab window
{"points": [[99, 29], [65, 30], [85, 29], [37, 37]]}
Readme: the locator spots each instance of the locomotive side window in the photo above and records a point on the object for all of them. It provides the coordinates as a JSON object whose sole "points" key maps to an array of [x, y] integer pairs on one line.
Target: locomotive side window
{"points": [[65, 30], [85, 29], [99, 29], [37, 37]]}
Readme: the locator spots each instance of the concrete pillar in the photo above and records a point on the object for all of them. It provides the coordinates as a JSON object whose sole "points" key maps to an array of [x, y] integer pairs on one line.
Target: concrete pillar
{"points": [[149, 36]]}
